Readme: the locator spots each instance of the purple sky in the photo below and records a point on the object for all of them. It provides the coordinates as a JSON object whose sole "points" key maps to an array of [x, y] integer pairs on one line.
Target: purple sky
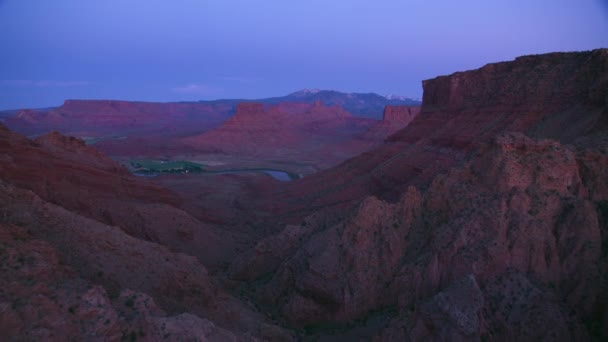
{"points": [[161, 50]]}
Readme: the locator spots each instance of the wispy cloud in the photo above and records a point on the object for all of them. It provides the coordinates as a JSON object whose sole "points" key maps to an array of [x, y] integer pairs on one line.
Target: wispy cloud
{"points": [[197, 89], [42, 83], [240, 79]]}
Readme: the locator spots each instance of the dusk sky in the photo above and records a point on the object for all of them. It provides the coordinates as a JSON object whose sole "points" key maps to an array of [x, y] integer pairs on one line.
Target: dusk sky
{"points": [[161, 50]]}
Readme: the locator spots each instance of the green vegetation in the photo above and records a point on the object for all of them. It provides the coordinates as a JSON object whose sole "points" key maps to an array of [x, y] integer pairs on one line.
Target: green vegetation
{"points": [[95, 140], [154, 167], [147, 166]]}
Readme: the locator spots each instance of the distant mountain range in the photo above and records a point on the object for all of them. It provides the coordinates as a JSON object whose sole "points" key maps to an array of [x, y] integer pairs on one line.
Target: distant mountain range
{"points": [[368, 105]]}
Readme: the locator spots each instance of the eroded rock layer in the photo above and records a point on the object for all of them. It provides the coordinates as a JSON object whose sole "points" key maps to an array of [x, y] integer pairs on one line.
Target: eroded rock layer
{"points": [[469, 221]]}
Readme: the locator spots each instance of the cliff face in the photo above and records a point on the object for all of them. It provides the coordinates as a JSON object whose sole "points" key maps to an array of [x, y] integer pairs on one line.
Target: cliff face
{"points": [[394, 119], [548, 81], [400, 114], [559, 96], [473, 226]]}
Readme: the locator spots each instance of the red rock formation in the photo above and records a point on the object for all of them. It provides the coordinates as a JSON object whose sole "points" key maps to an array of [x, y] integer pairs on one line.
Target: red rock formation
{"points": [[109, 117], [64, 171], [399, 115], [559, 96], [54, 264], [469, 222], [497, 227], [76, 151], [394, 119], [287, 131], [520, 205]]}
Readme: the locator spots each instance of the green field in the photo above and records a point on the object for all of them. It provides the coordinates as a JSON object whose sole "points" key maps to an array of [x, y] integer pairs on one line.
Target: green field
{"points": [[95, 140], [147, 166]]}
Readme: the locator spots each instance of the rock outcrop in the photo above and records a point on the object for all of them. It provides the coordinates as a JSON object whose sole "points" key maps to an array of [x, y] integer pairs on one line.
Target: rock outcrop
{"points": [[394, 118], [399, 115], [468, 220], [518, 206]]}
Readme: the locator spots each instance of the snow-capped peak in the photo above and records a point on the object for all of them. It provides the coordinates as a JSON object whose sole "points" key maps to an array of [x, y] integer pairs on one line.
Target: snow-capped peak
{"points": [[399, 97]]}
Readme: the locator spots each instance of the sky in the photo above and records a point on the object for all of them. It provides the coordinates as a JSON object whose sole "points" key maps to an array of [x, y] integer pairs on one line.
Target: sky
{"points": [[185, 50]]}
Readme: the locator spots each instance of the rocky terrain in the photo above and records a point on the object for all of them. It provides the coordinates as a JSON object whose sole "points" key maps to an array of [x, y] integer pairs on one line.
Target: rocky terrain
{"points": [[298, 132], [86, 234], [470, 199], [313, 128], [485, 218]]}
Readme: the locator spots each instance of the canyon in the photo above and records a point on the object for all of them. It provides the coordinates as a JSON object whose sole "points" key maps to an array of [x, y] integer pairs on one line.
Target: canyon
{"points": [[315, 129], [481, 215]]}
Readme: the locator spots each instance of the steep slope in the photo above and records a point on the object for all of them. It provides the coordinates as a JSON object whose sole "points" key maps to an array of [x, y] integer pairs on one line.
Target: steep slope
{"points": [[67, 275], [87, 240], [463, 223]]}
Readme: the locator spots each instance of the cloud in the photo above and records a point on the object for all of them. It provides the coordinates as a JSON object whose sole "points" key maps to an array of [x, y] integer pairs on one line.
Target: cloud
{"points": [[240, 79], [42, 83], [197, 89]]}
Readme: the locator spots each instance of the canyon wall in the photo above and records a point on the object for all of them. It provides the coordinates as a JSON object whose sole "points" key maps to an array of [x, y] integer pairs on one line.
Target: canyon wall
{"points": [[468, 220]]}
